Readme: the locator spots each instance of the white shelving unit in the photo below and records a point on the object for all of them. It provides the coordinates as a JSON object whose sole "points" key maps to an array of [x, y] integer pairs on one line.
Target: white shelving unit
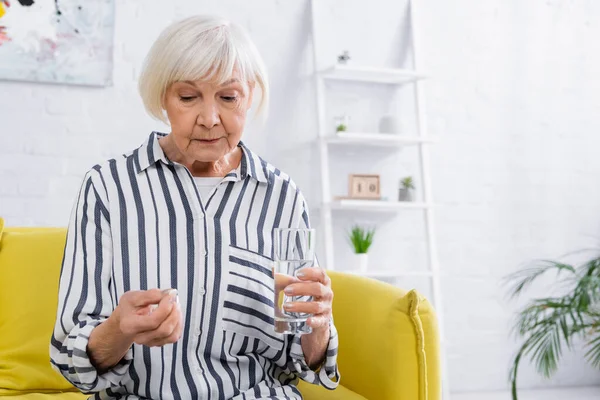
{"points": [[392, 76], [375, 205], [374, 139], [326, 139]]}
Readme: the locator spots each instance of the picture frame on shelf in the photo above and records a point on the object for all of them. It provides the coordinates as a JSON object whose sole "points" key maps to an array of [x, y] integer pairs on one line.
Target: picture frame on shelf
{"points": [[364, 187]]}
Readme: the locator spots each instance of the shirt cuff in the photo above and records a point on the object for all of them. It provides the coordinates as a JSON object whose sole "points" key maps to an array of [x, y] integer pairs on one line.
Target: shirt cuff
{"points": [[327, 375], [85, 372]]}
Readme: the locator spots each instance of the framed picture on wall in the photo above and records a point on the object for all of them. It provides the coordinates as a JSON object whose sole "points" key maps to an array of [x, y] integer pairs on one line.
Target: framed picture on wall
{"points": [[364, 187], [62, 41]]}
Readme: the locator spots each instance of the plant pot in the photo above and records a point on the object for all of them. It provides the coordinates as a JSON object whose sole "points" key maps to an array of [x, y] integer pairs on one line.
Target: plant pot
{"points": [[390, 124], [405, 194], [362, 262]]}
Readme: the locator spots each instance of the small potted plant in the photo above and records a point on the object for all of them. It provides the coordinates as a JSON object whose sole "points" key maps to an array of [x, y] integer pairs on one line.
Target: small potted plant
{"points": [[341, 123], [406, 191], [361, 239]]}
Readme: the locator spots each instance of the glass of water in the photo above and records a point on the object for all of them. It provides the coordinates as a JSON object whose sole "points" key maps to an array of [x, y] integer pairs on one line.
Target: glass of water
{"points": [[294, 250]]}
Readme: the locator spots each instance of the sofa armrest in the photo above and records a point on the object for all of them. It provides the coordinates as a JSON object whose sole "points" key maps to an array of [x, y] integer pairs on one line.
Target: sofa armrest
{"points": [[389, 342]]}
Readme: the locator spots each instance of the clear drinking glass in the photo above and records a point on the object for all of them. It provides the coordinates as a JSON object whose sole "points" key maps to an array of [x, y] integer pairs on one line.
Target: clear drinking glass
{"points": [[294, 250]]}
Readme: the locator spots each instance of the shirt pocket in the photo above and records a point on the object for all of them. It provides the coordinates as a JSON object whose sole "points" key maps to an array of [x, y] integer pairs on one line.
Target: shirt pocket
{"points": [[248, 307]]}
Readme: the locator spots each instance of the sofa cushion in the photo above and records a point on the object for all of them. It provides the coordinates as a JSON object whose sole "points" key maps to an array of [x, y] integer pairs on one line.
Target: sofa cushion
{"points": [[384, 352], [30, 261], [314, 392], [49, 396]]}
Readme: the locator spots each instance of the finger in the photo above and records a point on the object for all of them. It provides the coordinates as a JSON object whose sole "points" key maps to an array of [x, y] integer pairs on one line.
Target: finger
{"points": [[178, 330], [318, 321], [282, 280], [164, 308], [141, 298], [172, 338], [146, 310], [149, 322], [167, 332], [158, 342], [167, 292], [314, 275], [308, 307], [314, 289]]}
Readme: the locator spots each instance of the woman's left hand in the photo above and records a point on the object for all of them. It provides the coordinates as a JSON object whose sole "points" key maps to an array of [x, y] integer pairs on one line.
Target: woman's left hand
{"points": [[312, 282]]}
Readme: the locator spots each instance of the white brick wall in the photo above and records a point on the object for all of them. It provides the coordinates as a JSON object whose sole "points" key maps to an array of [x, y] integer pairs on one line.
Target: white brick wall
{"points": [[513, 103]]}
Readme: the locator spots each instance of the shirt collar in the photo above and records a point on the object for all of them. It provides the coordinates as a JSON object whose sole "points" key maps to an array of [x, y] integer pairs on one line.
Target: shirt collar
{"points": [[150, 152]]}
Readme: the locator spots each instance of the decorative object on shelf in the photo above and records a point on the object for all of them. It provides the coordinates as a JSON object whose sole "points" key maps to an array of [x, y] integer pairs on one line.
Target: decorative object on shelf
{"points": [[361, 239], [341, 128], [549, 322], [406, 191], [344, 58], [364, 187], [390, 124], [341, 123]]}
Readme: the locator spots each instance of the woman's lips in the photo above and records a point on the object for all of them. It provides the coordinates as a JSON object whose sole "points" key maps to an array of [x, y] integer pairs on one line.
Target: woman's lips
{"points": [[208, 141]]}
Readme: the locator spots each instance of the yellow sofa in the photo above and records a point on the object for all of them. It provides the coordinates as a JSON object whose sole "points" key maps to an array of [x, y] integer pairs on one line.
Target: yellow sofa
{"points": [[389, 345]]}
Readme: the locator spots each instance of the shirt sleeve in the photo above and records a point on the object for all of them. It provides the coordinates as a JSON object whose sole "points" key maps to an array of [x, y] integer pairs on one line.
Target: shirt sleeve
{"points": [[84, 297], [327, 374]]}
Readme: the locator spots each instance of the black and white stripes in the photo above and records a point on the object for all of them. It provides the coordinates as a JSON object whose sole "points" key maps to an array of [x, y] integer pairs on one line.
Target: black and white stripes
{"points": [[140, 223]]}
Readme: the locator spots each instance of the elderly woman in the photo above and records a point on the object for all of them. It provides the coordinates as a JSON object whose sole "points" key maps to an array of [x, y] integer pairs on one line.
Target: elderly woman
{"points": [[168, 215]]}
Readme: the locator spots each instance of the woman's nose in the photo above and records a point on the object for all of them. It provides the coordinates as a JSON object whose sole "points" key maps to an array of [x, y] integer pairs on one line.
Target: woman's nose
{"points": [[208, 116]]}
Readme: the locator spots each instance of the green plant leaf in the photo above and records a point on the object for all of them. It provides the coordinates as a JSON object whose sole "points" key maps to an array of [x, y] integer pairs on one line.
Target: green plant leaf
{"points": [[361, 239], [522, 279], [407, 183], [546, 350], [593, 345], [341, 128], [566, 331]]}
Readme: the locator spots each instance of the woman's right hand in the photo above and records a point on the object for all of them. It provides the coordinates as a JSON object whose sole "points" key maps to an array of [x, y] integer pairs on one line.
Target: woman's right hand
{"points": [[143, 323]]}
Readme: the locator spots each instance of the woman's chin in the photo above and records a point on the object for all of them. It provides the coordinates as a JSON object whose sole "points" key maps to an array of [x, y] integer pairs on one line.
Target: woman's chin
{"points": [[207, 154]]}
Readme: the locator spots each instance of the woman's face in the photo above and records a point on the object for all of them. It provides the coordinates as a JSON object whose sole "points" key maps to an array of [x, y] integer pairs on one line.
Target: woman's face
{"points": [[207, 120]]}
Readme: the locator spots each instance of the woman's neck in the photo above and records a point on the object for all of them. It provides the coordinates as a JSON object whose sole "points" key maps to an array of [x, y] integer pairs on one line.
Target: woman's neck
{"points": [[218, 168]]}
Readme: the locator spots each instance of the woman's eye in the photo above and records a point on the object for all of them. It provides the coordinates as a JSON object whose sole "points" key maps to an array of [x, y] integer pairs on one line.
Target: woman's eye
{"points": [[186, 98], [229, 99]]}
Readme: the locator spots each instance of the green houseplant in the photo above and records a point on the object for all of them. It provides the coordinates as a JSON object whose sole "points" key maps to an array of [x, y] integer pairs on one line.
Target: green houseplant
{"points": [[406, 187], [361, 239], [549, 324], [341, 128]]}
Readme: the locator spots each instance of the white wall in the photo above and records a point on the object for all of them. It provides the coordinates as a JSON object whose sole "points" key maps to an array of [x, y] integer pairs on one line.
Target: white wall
{"points": [[515, 105], [513, 102]]}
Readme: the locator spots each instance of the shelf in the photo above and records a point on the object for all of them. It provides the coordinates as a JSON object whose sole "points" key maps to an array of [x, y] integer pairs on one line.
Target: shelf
{"points": [[374, 139], [389, 274], [394, 76], [376, 205]]}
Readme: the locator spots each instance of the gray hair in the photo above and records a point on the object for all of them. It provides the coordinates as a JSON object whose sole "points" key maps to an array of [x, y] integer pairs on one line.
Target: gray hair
{"points": [[200, 47]]}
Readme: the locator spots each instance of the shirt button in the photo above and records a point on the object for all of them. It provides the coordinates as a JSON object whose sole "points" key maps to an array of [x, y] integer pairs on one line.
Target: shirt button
{"points": [[198, 332], [203, 253]]}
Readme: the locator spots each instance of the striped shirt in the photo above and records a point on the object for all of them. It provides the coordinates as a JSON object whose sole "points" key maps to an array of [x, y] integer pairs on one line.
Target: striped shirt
{"points": [[140, 223]]}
